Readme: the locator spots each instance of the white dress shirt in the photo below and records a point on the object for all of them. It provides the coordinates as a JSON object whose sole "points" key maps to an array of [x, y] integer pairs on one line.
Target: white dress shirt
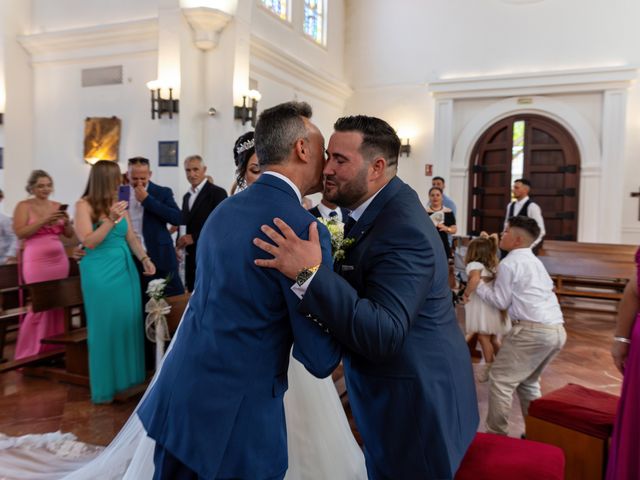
{"points": [[136, 212], [326, 212], [533, 211], [524, 288], [8, 239], [195, 192]]}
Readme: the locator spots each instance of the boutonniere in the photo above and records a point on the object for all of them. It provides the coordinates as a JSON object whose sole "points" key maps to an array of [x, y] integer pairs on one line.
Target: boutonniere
{"points": [[339, 244]]}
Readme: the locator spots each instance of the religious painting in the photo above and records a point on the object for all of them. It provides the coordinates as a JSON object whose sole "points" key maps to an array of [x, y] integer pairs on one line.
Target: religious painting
{"points": [[168, 154], [101, 139]]}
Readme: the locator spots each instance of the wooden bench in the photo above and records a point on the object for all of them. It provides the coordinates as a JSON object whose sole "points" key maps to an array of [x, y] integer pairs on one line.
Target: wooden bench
{"points": [[10, 309], [589, 270]]}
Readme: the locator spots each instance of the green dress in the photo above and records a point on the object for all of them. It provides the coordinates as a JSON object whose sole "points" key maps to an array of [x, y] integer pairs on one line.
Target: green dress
{"points": [[113, 308]]}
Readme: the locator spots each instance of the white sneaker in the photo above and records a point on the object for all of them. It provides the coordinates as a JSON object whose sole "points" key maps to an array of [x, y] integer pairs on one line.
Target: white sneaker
{"points": [[482, 374]]}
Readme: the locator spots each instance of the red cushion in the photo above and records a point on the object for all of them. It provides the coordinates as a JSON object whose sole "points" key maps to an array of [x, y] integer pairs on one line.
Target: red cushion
{"points": [[578, 408], [496, 457]]}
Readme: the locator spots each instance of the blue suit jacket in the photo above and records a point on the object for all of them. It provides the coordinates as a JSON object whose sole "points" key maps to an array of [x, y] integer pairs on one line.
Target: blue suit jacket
{"points": [[160, 208], [218, 403], [407, 366]]}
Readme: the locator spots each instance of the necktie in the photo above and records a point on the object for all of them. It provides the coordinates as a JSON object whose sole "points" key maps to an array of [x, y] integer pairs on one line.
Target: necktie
{"points": [[349, 225], [333, 214]]}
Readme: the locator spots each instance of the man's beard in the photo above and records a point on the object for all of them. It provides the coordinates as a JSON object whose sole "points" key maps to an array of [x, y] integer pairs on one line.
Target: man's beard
{"points": [[349, 194]]}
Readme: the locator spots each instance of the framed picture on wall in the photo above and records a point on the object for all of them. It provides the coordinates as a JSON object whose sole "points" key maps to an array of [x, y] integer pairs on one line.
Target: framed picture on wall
{"points": [[168, 154]]}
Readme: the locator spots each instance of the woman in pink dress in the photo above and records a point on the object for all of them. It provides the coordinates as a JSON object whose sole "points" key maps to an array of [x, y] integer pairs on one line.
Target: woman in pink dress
{"points": [[624, 456], [39, 222]]}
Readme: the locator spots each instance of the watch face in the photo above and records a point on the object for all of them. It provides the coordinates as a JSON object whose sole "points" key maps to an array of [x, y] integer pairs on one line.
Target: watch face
{"points": [[303, 276]]}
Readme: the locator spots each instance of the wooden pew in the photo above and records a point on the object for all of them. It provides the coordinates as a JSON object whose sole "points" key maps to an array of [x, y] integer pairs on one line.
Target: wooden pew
{"points": [[10, 309], [589, 270]]}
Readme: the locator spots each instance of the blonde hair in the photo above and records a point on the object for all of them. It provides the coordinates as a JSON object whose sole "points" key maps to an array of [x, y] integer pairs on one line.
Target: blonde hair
{"points": [[483, 250], [33, 179], [104, 179]]}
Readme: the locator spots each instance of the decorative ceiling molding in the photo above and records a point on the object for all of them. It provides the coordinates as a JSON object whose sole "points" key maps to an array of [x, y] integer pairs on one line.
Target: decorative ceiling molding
{"points": [[308, 76], [535, 83], [100, 40]]}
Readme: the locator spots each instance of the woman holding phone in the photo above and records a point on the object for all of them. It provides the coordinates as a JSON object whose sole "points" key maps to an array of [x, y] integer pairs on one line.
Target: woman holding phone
{"points": [[110, 285], [39, 222]]}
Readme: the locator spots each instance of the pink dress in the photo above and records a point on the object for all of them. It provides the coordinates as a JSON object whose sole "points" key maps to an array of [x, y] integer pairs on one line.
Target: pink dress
{"points": [[43, 258], [624, 456]]}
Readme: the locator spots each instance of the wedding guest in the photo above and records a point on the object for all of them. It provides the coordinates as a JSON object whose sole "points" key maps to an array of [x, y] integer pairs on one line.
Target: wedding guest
{"points": [[110, 285], [39, 222], [246, 161], [442, 217], [197, 204], [446, 200], [8, 239], [523, 288], [625, 450]]}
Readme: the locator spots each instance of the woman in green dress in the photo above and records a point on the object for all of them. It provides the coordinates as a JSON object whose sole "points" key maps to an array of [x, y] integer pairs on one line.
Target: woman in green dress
{"points": [[110, 285]]}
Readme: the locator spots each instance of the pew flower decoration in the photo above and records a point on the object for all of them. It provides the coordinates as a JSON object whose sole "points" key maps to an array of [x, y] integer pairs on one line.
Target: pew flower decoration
{"points": [[339, 244], [157, 310]]}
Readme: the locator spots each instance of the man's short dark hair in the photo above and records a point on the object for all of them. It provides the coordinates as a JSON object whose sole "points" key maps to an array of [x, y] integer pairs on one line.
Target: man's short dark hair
{"points": [[378, 137], [527, 224], [138, 161], [524, 181], [438, 178], [278, 129]]}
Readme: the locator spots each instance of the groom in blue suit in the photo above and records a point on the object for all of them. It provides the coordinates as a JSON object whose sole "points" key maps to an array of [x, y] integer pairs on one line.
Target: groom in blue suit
{"points": [[407, 365], [216, 409]]}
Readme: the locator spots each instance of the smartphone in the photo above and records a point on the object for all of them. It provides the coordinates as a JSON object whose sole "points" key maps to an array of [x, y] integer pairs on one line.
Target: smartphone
{"points": [[123, 193], [63, 207]]}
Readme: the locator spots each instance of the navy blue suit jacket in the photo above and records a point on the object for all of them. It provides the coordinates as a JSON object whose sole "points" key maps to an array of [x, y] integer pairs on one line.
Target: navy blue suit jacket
{"points": [[160, 208], [218, 403], [407, 366]]}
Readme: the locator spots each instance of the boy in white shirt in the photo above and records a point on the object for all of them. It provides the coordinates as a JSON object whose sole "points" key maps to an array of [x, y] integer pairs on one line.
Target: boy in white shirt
{"points": [[524, 288]]}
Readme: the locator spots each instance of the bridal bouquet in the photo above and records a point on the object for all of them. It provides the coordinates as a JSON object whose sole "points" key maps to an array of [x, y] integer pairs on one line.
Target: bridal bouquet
{"points": [[339, 244], [157, 310]]}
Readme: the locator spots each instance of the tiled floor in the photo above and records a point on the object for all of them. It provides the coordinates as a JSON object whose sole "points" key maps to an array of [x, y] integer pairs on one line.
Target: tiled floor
{"points": [[32, 405]]}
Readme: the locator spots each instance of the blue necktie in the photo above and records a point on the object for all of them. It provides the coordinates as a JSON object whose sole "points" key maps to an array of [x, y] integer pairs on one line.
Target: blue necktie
{"points": [[332, 215], [348, 225]]}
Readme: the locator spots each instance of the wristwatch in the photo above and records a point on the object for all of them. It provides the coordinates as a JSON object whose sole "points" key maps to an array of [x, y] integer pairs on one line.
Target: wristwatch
{"points": [[305, 274]]}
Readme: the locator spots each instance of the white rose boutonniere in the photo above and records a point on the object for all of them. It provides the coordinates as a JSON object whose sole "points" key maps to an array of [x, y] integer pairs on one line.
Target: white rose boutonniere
{"points": [[339, 244]]}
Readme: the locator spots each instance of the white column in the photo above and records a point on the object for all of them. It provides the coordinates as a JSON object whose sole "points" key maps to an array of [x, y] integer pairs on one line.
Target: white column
{"points": [[613, 144]]}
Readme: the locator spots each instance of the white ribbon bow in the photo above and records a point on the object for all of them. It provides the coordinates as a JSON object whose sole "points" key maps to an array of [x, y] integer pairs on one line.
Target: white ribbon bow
{"points": [[155, 325]]}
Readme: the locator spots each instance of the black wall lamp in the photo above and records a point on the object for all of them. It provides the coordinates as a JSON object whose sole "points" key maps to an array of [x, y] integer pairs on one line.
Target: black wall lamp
{"points": [[246, 113], [159, 105], [405, 148]]}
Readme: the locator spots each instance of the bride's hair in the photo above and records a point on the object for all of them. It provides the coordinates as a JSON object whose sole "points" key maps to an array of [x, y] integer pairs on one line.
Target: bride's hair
{"points": [[104, 180]]}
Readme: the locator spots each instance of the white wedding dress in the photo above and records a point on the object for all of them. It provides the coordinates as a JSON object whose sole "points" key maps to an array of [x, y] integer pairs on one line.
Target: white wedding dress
{"points": [[320, 443]]}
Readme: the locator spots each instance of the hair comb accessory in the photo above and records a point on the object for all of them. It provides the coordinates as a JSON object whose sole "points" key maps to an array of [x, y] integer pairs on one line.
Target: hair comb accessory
{"points": [[246, 145]]}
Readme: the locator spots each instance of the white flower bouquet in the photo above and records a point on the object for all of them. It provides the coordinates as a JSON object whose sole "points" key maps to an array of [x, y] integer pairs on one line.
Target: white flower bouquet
{"points": [[339, 244]]}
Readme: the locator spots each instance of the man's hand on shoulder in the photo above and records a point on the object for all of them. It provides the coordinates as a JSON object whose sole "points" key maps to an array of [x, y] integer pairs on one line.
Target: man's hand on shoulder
{"points": [[290, 253]]}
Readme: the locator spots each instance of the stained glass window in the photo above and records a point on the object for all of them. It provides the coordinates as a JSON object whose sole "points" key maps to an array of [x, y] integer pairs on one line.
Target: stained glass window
{"points": [[279, 7], [314, 13]]}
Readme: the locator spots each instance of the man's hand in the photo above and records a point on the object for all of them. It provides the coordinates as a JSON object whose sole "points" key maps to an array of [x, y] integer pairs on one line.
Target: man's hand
{"points": [[290, 253], [184, 241], [140, 193]]}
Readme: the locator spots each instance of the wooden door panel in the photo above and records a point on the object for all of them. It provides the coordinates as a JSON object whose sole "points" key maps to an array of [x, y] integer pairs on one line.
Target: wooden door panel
{"points": [[551, 163]]}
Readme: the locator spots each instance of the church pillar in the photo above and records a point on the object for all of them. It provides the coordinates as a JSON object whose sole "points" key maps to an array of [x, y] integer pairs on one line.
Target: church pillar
{"points": [[613, 145]]}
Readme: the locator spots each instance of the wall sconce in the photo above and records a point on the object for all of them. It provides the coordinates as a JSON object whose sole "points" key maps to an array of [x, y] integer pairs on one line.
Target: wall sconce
{"points": [[247, 113], [160, 105], [405, 148]]}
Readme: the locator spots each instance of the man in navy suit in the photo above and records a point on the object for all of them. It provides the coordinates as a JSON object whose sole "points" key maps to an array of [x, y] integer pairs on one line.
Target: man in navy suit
{"points": [[151, 208], [407, 366], [329, 211], [216, 409], [197, 205]]}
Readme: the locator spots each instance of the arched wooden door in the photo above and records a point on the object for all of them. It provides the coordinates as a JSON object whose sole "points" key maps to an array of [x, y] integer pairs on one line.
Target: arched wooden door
{"points": [[542, 151]]}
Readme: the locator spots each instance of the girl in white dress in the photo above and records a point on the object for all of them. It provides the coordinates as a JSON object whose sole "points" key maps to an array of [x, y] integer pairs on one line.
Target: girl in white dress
{"points": [[482, 318]]}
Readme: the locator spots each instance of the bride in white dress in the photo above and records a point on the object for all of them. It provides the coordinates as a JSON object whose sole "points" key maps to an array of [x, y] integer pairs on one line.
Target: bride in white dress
{"points": [[320, 443]]}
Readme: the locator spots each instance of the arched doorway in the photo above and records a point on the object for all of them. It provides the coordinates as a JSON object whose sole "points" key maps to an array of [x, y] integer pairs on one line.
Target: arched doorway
{"points": [[530, 146]]}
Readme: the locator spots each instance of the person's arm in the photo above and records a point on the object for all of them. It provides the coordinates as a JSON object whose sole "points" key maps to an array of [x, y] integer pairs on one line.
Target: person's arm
{"points": [[472, 283], [164, 207], [83, 224], [136, 248], [535, 212], [500, 292], [449, 224], [627, 312], [22, 228]]}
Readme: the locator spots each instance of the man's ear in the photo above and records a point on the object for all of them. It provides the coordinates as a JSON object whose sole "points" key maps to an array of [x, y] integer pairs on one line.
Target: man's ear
{"points": [[378, 166], [302, 149]]}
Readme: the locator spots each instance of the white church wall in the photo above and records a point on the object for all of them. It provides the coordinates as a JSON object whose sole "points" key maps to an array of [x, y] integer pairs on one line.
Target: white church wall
{"points": [[473, 39]]}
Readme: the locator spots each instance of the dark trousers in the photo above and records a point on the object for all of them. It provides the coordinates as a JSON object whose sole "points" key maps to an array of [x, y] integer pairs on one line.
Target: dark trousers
{"points": [[168, 467], [190, 267]]}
